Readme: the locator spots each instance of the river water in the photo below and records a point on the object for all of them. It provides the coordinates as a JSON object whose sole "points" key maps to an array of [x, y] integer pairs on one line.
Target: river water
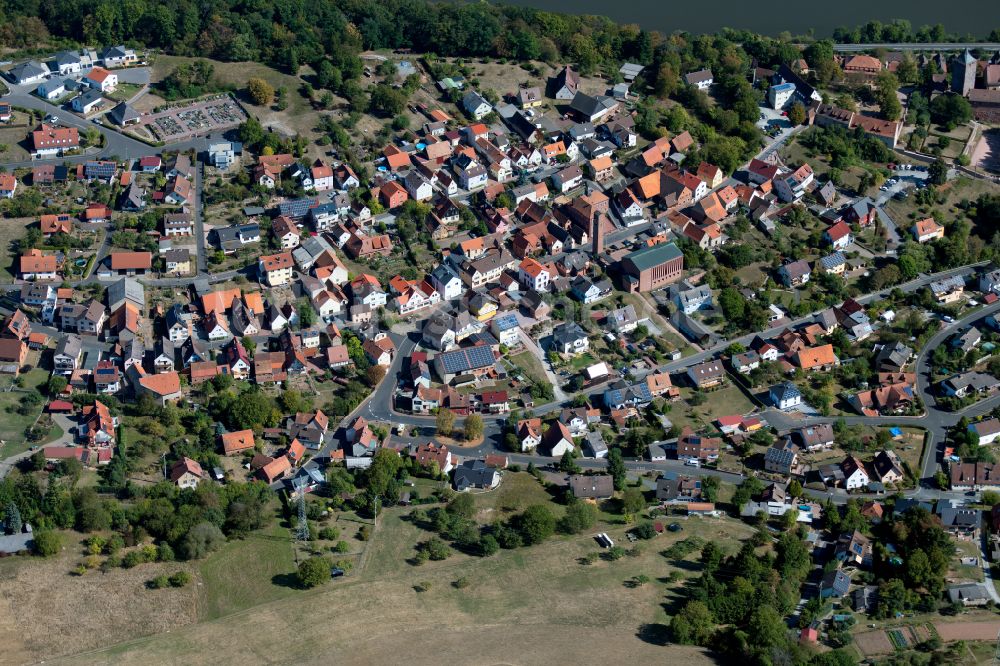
{"points": [[975, 17]]}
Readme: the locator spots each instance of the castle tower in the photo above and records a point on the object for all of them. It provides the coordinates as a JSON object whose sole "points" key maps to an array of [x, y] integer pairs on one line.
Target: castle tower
{"points": [[963, 74]]}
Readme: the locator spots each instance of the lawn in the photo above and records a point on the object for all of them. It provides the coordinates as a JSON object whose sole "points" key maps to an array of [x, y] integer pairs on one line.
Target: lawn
{"points": [[529, 605], [905, 212], [248, 572], [13, 138], [726, 401], [957, 570], [10, 231], [528, 363], [124, 92], [12, 424]]}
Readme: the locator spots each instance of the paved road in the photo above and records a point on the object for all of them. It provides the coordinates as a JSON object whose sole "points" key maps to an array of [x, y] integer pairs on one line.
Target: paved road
{"points": [[379, 405], [918, 46], [199, 222]]}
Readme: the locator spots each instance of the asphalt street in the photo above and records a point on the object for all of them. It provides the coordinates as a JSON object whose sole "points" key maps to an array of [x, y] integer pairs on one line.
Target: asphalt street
{"points": [[379, 405]]}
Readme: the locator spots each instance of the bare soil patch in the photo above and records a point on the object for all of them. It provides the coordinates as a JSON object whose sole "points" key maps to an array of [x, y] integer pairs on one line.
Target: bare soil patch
{"points": [[968, 631], [874, 643]]}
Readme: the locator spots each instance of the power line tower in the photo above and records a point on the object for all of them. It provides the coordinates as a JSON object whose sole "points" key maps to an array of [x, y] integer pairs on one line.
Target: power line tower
{"points": [[302, 531]]}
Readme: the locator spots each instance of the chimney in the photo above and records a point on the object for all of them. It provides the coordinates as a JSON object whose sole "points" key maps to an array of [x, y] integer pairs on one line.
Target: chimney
{"points": [[597, 234]]}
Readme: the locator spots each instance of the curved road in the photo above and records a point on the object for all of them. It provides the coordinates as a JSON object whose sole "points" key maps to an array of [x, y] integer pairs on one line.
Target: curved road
{"points": [[379, 405]]}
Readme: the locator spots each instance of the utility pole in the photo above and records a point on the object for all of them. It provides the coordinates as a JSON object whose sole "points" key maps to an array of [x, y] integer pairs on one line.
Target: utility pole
{"points": [[375, 520]]}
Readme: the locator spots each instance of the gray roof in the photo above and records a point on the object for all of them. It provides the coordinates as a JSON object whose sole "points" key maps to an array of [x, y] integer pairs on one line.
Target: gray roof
{"points": [[832, 260], [474, 474], [784, 457], [568, 333], [699, 76], [123, 113], [785, 391], [71, 345], [590, 106], [67, 58], [649, 257], [90, 96], [968, 592], [28, 70], [126, 289]]}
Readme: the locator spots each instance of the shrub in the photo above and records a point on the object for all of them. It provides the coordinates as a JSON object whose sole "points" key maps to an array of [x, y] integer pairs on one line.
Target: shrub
{"points": [[462, 583], [164, 553], [133, 558], [159, 582], [329, 533], [180, 579], [313, 572], [47, 543], [203, 539], [341, 547]]}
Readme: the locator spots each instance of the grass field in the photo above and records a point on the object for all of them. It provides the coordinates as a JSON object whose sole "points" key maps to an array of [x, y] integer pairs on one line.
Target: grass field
{"points": [[726, 401], [10, 231], [905, 212], [248, 572], [12, 424], [536, 605], [45, 611], [299, 117], [13, 138], [124, 92]]}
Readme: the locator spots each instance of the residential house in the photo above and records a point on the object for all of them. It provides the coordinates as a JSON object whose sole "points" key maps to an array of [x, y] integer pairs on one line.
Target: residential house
{"points": [[927, 230], [706, 375], [794, 273], [855, 475], [475, 474], [785, 395], [591, 486]]}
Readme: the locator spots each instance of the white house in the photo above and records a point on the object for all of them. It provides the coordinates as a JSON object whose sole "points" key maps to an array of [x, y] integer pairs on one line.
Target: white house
{"points": [[855, 475], [51, 89], [785, 395], [417, 186], [475, 105], [533, 275], [447, 282]]}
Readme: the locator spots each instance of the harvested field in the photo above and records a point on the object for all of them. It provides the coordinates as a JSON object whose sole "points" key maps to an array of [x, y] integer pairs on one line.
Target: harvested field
{"points": [[968, 631], [51, 612], [873, 643]]}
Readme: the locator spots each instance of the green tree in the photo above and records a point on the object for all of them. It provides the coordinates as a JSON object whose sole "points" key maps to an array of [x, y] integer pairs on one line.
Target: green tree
{"points": [[693, 624], [633, 501], [616, 467], [766, 628], [47, 543], [462, 505], [536, 524], [445, 421], [313, 571], [202, 540], [261, 92], [580, 516], [12, 522], [473, 427], [797, 114]]}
